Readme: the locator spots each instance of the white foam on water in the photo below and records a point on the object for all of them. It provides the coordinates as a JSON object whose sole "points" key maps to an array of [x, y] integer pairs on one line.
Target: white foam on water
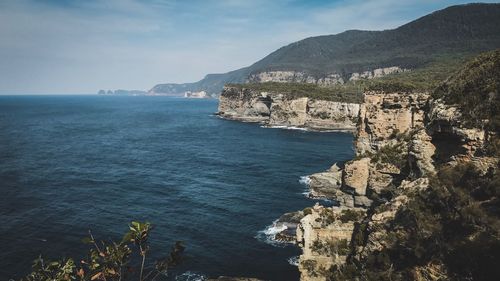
{"points": [[190, 276], [268, 234], [305, 180], [307, 129], [285, 127], [293, 260]]}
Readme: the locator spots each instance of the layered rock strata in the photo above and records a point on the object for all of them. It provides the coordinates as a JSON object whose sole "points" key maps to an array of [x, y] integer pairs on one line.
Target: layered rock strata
{"points": [[324, 236], [276, 109], [385, 115], [390, 133], [400, 139], [284, 76]]}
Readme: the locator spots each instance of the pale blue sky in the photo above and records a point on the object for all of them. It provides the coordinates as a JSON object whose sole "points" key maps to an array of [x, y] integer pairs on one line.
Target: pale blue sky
{"points": [[82, 46]]}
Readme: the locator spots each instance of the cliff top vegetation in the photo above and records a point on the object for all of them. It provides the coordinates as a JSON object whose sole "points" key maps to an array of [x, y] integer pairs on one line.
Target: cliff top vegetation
{"points": [[474, 89], [424, 79], [352, 93]]}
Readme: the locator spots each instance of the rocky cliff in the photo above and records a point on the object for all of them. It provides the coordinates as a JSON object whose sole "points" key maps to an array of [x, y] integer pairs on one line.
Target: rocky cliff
{"points": [[328, 79], [388, 123], [403, 141], [385, 115], [280, 109], [427, 184], [409, 146], [421, 199]]}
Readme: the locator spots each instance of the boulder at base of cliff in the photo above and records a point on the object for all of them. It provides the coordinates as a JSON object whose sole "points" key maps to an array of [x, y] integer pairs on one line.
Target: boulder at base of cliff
{"points": [[325, 184]]}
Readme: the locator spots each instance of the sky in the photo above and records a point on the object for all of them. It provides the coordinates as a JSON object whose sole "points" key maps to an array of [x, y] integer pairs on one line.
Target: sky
{"points": [[79, 47]]}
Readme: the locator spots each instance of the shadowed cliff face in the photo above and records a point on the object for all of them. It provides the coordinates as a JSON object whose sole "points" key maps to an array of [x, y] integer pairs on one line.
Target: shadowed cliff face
{"points": [[278, 109]]}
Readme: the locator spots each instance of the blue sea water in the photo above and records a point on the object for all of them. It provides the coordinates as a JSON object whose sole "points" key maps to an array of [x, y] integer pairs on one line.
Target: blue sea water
{"points": [[73, 163]]}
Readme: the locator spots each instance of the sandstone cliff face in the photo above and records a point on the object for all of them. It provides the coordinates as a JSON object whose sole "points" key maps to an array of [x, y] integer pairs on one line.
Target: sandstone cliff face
{"points": [[275, 109], [387, 120], [294, 77], [400, 140], [329, 79], [383, 115], [324, 238]]}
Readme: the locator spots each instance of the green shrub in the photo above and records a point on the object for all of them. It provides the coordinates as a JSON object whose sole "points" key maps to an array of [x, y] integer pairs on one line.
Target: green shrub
{"points": [[331, 247], [351, 215], [110, 261], [327, 216], [394, 154], [310, 267], [391, 86]]}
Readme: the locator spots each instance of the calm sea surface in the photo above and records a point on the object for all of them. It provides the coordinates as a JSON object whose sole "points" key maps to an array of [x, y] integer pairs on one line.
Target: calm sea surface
{"points": [[73, 163]]}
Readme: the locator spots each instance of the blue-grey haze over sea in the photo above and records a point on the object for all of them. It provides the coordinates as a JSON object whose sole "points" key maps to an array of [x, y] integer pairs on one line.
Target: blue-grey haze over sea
{"points": [[73, 163]]}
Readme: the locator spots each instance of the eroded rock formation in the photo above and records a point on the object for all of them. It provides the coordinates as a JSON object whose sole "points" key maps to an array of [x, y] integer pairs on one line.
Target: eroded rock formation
{"points": [[384, 115], [400, 139], [390, 134], [275, 109], [324, 236]]}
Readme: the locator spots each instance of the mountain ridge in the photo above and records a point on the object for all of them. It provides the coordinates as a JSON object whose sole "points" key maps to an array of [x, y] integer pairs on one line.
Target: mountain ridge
{"points": [[456, 30]]}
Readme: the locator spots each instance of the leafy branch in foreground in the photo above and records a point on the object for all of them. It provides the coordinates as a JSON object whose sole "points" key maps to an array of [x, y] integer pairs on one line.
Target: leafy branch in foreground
{"points": [[109, 261]]}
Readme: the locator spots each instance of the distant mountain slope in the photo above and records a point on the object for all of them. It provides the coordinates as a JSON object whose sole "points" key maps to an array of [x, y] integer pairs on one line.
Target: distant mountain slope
{"points": [[456, 30]]}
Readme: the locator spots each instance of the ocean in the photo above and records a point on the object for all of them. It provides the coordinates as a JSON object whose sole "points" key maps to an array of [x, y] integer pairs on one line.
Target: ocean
{"points": [[73, 163]]}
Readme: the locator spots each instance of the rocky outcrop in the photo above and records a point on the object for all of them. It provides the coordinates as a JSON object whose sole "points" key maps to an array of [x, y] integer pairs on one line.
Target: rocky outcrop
{"points": [[401, 139], [355, 176], [283, 76], [288, 223], [326, 184], [391, 128], [347, 186], [386, 120], [294, 77], [324, 236], [376, 73], [384, 115], [244, 105], [421, 152], [276, 109], [445, 121]]}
